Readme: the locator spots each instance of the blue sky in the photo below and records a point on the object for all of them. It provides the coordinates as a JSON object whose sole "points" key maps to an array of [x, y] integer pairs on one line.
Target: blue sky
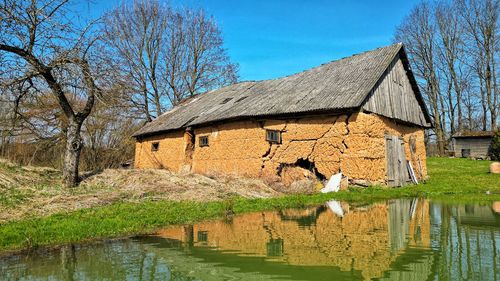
{"points": [[271, 39]]}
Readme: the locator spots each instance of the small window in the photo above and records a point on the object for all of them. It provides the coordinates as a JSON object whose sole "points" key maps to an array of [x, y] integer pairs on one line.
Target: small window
{"points": [[203, 141], [155, 146], [273, 136]]}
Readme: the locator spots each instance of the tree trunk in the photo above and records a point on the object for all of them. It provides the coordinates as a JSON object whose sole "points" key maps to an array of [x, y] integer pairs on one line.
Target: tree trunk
{"points": [[493, 117], [496, 106], [458, 91], [438, 129], [72, 154], [489, 97], [460, 125], [484, 118], [436, 100], [146, 104], [451, 109]]}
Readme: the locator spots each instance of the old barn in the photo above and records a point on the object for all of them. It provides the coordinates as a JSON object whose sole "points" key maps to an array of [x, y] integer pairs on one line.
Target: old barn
{"points": [[362, 115]]}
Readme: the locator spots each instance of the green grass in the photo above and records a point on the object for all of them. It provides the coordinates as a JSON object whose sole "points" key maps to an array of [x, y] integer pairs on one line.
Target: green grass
{"points": [[458, 180]]}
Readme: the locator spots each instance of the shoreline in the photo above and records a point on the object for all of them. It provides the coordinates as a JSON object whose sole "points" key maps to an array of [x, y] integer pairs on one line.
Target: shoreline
{"points": [[452, 181], [89, 225]]}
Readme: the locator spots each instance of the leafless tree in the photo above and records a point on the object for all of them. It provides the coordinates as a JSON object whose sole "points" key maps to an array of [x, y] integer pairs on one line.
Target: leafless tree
{"points": [[453, 49], [451, 53], [57, 55], [136, 31], [480, 20], [206, 64], [167, 55], [418, 32]]}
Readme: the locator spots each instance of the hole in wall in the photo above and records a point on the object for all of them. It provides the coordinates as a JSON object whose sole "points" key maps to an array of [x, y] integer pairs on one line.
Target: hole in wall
{"points": [[305, 164]]}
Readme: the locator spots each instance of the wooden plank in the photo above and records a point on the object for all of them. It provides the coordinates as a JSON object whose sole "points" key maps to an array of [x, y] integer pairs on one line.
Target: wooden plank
{"points": [[412, 173], [403, 172], [394, 97], [397, 171], [391, 179]]}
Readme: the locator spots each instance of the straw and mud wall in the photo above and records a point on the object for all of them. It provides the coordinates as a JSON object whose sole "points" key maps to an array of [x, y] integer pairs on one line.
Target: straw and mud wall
{"points": [[353, 144]]}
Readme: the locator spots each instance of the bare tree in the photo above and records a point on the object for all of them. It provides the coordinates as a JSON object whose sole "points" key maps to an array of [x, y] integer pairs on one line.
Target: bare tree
{"points": [[167, 55], [107, 134], [418, 32], [453, 49], [207, 65], [480, 20], [40, 45], [452, 55], [136, 31]]}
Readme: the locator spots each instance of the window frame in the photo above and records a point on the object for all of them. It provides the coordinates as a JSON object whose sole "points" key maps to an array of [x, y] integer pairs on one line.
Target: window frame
{"points": [[155, 146], [201, 143], [271, 140]]}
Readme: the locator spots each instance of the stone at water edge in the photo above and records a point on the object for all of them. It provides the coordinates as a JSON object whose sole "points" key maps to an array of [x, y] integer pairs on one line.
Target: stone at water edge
{"points": [[495, 168]]}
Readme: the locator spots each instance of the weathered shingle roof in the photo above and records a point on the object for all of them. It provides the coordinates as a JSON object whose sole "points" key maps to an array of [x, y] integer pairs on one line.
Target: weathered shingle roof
{"points": [[474, 134], [340, 84]]}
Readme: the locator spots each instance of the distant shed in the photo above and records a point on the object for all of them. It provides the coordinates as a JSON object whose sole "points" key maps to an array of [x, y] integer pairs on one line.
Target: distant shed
{"points": [[473, 144]]}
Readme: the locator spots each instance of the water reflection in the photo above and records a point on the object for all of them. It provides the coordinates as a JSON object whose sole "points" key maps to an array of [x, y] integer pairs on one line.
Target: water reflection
{"points": [[362, 240], [395, 240]]}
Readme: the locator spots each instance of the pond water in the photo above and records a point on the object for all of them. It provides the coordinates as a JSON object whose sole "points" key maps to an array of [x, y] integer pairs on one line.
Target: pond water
{"points": [[394, 240]]}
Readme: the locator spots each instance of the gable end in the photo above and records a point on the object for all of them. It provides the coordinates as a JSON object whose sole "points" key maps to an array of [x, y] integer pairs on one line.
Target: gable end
{"points": [[397, 96]]}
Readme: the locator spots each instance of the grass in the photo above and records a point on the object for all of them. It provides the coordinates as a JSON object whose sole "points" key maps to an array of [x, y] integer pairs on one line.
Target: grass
{"points": [[39, 179], [459, 180]]}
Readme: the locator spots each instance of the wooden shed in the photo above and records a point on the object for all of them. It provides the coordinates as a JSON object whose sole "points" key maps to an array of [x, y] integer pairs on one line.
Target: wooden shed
{"points": [[474, 144], [362, 115]]}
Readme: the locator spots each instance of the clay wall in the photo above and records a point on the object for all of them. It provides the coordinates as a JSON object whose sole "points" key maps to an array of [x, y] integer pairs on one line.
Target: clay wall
{"points": [[170, 154], [353, 144]]}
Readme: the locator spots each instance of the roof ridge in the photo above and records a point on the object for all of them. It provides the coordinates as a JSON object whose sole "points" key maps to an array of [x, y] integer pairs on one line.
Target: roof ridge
{"points": [[327, 63], [367, 51]]}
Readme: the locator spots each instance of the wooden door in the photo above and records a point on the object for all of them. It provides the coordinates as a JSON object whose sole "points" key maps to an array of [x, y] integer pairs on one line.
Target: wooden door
{"points": [[397, 170]]}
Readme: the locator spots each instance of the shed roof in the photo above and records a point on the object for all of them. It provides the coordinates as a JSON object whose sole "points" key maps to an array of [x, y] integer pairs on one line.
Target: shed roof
{"points": [[338, 85], [474, 134]]}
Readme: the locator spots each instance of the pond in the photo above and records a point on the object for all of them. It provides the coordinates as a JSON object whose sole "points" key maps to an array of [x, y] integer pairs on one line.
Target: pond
{"points": [[410, 239]]}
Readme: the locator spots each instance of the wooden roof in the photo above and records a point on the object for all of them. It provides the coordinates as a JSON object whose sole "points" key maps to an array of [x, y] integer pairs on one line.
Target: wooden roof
{"points": [[474, 134], [336, 86]]}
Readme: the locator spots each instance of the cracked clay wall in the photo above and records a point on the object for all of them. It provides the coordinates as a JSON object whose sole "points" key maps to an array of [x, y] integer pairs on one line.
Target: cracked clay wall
{"points": [[353, 144]]}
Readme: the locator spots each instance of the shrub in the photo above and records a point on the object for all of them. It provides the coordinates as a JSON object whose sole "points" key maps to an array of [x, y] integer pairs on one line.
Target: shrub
{"points": [[495, 147]]}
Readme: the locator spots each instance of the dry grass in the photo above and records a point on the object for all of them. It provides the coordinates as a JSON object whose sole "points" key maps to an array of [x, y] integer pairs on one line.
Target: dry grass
{"points": [[164, 184], [35, 191]]}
